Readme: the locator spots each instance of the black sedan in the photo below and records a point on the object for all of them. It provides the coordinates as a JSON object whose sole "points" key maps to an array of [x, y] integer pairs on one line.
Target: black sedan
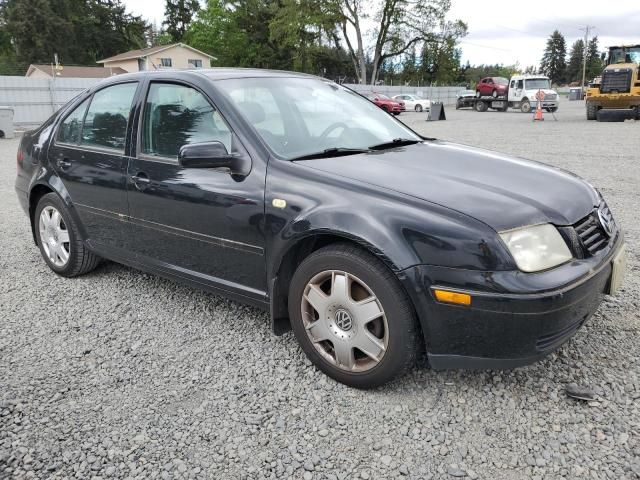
{"points": [[297, 195]]}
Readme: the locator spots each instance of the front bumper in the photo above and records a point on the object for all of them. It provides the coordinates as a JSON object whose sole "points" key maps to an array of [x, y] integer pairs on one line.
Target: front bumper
{"points": [[514, 319]]}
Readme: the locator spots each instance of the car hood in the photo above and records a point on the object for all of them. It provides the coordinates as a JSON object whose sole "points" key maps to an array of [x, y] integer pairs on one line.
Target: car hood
{"points": [[501, 191]]}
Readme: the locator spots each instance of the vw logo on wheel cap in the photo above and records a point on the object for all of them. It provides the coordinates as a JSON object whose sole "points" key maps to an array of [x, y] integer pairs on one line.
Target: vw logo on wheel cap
{"points": [[343, 320], [606, 222]]}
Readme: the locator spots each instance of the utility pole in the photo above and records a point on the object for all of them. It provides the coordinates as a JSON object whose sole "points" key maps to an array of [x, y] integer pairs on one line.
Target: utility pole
{"points": [[586, 29]]}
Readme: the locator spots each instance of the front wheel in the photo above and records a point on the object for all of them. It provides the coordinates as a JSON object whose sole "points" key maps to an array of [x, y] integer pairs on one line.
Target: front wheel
{"points": [[351, 316], [494, 94], [58, 238], [525, 106], [551, 109], [592, 111]]}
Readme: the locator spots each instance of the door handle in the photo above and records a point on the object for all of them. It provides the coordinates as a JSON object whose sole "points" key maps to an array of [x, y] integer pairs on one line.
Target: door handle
{"points": [[64, 163], [140, 180]]}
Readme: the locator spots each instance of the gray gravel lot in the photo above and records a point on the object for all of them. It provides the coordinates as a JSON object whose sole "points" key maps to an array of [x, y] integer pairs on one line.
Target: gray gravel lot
{"points": [[121, 374]]}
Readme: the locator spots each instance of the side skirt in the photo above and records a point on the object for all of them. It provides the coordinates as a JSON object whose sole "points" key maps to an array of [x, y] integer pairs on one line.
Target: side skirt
{"points": [[233, 291]]}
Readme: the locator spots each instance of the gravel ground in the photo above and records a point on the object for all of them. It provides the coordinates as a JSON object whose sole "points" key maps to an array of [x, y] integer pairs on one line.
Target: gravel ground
{"points": [[121, 374]]}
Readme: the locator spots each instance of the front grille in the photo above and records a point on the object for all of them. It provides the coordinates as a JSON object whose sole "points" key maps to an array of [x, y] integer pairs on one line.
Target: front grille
{"points": [[550, 96], [617, 80], [591, 233]]}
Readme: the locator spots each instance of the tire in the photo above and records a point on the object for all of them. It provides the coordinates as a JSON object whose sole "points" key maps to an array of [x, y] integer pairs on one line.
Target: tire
{"points": [[458, 105], [637, 110], [79, 260], [482, 106], [525, 106], [394, 334], [396, 113], [418, 108], [551, 109], [494, 94], [478, 94], [592, 111]]}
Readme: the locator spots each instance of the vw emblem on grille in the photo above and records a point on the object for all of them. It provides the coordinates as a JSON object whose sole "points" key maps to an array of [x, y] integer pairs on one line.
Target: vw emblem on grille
{"points": [[606, 222], [343, 320]]}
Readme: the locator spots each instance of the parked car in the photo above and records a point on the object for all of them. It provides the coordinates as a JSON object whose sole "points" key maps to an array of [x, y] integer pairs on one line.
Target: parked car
{"points": [[414, 102], [294, 194], [492, 87], [387, 104], [465, 98]]}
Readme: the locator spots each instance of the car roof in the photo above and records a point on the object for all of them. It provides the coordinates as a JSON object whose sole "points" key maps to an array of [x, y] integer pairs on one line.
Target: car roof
{"points": [[220, 73]]}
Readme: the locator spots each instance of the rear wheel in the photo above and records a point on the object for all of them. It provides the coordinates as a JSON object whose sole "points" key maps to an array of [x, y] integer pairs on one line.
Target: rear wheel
{"points": [[458, 105], [351, 316], [59, 241], [482, 106], [478, 94], [418, 108], [637, 111], [592, 111]]}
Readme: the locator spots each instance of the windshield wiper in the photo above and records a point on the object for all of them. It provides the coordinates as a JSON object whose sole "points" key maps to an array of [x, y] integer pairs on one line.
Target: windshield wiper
{"points": [[396, 142], [332, 152]]}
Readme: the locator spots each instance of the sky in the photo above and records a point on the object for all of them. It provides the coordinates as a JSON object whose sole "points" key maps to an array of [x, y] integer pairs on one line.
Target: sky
{"points": [[510, 31]]}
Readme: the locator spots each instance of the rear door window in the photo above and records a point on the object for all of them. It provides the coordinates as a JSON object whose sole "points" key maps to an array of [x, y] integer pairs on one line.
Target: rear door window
{"points": [[71, 127], [105, 124]]}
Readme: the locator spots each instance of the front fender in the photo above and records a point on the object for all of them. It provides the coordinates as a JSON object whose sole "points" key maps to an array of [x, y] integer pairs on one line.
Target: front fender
{"points": [[403, 231]]}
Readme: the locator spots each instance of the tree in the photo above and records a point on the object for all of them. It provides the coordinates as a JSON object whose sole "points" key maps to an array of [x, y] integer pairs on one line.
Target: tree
{"points": [[554, 64], [576, 57], [178, 16], [594, 60], [79, 31], [399, 25], [441, 60]]}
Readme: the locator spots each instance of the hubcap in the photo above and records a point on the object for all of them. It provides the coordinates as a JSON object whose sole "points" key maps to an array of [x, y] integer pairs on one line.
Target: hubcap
{"points": [[54, 236], [345, 321]]}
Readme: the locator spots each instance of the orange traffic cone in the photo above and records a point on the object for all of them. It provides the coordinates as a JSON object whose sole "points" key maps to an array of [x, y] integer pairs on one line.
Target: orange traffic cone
{"points": [[538, 116]]}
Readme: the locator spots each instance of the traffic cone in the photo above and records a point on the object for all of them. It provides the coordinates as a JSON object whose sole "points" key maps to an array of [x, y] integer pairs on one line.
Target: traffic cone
{"points": [[538, 115]]}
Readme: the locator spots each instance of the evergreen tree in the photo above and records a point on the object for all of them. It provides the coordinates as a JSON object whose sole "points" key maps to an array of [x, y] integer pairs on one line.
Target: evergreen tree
{"points": [[576, 57], [594, 60], [554, 64], [178, 16]]}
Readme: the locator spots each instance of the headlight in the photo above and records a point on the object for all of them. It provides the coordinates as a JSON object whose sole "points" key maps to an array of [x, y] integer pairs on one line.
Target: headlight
{"points": [[536, 248]]}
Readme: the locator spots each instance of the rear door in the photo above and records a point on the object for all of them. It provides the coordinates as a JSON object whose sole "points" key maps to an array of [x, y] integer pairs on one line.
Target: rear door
{"points": [[200, 223], [89, 155]]}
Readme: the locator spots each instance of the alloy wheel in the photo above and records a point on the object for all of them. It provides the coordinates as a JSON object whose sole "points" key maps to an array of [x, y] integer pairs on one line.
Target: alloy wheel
{"points": [[54, 236], [345, 321]]}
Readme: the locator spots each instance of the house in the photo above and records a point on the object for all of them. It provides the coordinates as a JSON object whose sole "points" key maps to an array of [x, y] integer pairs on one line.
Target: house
{"points": [[47, 71], [177, 55]]}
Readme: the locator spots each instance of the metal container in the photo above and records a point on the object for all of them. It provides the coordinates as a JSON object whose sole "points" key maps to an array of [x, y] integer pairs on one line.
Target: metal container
{"points": [[6, 122]]}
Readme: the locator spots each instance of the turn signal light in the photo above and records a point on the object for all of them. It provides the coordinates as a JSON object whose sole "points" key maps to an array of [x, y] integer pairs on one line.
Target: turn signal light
{"points": [[446, 296]]}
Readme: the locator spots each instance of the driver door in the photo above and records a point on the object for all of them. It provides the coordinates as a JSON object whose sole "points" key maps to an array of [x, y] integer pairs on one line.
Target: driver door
{"points": [[199, 223]]}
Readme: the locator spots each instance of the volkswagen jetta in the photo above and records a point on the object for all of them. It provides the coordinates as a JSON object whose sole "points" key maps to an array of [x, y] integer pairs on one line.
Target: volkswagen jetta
{"points": [[297, 195]]}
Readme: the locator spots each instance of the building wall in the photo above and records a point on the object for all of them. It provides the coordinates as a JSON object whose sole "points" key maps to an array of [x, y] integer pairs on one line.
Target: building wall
{"points": [[128, 65], [180, 57], [37, 73]]}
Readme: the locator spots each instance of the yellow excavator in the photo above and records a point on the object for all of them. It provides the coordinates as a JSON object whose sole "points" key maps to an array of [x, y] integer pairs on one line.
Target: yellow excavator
{"points": [[619, 85]]}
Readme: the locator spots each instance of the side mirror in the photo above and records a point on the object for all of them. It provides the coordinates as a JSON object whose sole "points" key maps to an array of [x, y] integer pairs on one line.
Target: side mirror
{"points": [[213, 155], [376, 99]]}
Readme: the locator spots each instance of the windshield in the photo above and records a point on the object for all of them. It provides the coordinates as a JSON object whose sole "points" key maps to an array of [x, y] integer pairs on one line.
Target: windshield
{"points": [[624, 55], [537, 83], [302, 116], [501, 81]]}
